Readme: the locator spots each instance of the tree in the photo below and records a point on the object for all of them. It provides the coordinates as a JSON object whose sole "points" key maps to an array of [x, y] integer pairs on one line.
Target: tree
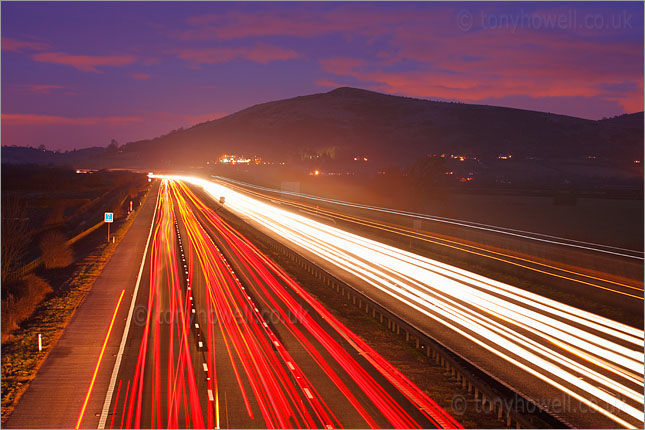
{"points": [[14, 235], [113, 147], [428, 172]]}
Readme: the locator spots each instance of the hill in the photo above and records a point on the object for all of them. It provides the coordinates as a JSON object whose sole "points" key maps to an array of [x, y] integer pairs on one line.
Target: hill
{"points": [[390, 129], [44, 157], [332, 128]]}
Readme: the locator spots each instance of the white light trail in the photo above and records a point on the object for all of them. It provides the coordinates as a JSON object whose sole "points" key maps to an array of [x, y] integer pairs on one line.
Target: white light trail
{"points": [[593, 359], [463, 223]]}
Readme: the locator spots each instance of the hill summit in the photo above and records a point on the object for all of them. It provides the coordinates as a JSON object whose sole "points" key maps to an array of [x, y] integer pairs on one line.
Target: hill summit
{"points": [[348, 121]]}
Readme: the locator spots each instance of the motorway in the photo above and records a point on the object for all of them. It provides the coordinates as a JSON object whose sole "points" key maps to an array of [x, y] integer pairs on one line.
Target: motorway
{"points": [[579, 274], [221, 337], [582, 367]]}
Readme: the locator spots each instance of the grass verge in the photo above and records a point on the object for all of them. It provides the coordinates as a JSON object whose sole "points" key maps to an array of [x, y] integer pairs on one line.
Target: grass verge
{"points": [[20, 356]]}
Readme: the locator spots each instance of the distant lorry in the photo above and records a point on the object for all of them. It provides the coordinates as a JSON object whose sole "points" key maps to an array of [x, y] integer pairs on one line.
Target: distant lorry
{"points": [[222, 199]]}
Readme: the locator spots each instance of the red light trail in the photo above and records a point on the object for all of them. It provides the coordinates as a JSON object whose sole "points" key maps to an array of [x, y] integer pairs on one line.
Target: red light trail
{"points": [[223, 324], [98, 363]]}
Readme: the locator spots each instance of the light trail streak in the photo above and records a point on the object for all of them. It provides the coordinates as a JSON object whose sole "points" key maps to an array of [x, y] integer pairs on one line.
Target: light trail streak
{"points": [[503, 230], [515, 260], [116, 402], [164, 381], [565, 347], [228, 297], [98, 363]]}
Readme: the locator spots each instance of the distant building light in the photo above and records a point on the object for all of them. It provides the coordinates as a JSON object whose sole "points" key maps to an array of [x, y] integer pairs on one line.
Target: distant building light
{"points": [[637, 161], [504, 157]]}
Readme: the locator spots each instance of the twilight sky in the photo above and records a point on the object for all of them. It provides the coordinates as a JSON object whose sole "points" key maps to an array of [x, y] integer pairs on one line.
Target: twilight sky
{"points": [[79, 74]]}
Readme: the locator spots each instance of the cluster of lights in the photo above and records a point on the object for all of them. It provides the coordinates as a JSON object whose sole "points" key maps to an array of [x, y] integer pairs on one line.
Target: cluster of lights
{"points": [[455, 157], [235, 159]]}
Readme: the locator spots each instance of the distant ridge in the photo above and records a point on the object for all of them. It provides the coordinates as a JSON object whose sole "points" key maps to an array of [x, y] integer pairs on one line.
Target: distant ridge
{"points": [[389, 129]]}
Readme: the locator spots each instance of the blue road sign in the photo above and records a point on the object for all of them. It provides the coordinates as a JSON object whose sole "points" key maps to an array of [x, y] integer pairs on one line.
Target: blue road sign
{"points": [[109, 217]]}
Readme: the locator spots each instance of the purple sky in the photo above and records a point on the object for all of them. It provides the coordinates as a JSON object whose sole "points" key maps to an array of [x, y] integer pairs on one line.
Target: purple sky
{"points": [[79, 74]]}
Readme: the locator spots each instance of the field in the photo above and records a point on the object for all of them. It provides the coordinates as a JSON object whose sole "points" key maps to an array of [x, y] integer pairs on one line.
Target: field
{"points": [[606, 216], [53, 246]]}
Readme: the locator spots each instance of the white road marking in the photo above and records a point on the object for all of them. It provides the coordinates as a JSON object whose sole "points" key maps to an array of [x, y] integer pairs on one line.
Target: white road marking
{"points": [[117, 364], [308, 393]]}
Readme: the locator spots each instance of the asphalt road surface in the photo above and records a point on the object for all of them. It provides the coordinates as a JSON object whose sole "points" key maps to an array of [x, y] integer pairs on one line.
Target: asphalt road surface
{"points": [[222, 337], [584, 368]]}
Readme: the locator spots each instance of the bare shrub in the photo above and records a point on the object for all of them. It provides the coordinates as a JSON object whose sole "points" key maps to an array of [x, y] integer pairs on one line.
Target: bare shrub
{"points": [[14, 235], [56, 252], [9, 323], [20, 305]]}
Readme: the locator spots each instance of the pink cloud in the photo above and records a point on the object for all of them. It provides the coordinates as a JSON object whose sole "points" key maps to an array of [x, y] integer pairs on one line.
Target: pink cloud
{"points": [[261, 53], [14, 45], [84, 63], [488, 64], [39, 88], [140, 76], [341, 65], [34, 119]]}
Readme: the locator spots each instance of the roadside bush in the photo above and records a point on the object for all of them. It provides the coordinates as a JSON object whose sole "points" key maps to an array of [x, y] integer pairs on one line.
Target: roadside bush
{"points": [[56, 252], [14, 235], [22, 302]]}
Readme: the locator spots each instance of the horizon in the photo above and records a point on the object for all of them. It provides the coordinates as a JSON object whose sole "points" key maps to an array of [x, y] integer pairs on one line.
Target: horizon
{"points": [[305, 95], [173, 65]]}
